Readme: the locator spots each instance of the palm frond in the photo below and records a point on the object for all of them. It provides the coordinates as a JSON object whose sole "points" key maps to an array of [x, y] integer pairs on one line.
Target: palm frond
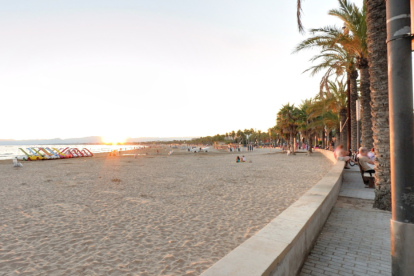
{"points": [[299, 16]]}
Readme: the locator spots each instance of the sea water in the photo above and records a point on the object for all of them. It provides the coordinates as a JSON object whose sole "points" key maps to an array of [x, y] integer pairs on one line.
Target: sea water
{"points": [[10, 152]]}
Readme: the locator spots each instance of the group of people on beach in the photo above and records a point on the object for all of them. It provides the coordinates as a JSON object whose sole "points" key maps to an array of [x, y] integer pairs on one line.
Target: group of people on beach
{"points": [[238, 160]]}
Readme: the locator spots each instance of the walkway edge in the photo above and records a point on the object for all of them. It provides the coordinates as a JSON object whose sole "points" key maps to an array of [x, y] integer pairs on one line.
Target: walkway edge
{"points": [[282, 246]]}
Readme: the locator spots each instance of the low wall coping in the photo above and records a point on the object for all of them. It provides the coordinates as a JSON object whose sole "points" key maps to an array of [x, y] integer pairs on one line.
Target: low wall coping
{"points": [[274, 244]]}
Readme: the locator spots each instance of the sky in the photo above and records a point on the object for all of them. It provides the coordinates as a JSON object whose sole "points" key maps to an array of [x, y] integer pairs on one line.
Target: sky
{"points": [[159, 68]]}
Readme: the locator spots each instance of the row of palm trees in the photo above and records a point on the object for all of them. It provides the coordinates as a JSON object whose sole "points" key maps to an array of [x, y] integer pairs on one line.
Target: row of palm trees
{"points": [[357, 49], [258, 137], [315, 117], [247, 135], [240, 136]]}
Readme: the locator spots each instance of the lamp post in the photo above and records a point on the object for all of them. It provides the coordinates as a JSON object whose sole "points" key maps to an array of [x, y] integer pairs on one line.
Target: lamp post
{"points": [[400, 89]]}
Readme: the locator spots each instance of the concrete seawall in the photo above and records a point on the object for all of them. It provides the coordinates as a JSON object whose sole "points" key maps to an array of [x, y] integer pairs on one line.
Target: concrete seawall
{"points": [[282, 246]]}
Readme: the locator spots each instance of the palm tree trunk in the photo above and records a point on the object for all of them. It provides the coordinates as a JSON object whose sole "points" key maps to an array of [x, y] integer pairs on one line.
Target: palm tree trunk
{"points": [[328, 139], [337, 138], [343, 134], [354, 97], [347, 146], [323, 139], [366, 128], [378, 71], [310, 145]]}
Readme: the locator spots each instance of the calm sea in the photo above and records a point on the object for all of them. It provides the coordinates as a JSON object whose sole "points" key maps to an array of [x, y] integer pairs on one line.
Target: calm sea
{"points": [[9, 152]]}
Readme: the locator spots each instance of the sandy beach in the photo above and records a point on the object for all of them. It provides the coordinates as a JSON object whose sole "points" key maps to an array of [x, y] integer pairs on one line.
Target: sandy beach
{"points": [[153, 215]]}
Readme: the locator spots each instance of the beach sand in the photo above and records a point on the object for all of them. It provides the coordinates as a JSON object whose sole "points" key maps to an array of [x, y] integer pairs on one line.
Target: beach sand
{"points": [[153, 215]]}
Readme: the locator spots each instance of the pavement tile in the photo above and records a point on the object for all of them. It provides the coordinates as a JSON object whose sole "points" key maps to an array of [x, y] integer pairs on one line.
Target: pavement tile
{"points": [[354, 240]]}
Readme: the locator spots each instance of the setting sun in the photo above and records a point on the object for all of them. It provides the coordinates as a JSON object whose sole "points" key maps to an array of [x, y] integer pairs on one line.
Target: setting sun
{"points": [[113, 139]]}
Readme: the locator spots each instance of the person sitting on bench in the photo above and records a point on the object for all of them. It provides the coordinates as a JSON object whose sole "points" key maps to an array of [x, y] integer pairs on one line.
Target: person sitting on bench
{"points": [[371, 154], [342, 155], [364, 160]]}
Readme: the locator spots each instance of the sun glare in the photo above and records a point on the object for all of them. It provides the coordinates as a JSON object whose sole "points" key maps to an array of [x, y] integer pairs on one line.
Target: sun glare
{"points": [[113, 139]]}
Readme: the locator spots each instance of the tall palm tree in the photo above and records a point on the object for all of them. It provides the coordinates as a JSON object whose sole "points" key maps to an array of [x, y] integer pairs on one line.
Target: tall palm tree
{"points": [[355, 41], [378, 71], [336, 60]]}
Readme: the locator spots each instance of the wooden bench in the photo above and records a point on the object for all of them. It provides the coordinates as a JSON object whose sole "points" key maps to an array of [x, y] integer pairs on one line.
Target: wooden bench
{"points": [[368, 180]]}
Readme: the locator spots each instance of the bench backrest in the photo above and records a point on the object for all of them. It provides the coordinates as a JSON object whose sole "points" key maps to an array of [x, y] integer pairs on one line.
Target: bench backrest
{"points": [[362, 174], [361, 170]]}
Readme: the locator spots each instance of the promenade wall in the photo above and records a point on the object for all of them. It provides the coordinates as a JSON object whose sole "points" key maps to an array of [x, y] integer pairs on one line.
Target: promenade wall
{"points": [[282, 246]]}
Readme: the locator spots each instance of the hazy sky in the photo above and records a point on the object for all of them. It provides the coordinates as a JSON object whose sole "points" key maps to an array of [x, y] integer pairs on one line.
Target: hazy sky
{"points": [[130, 68]]}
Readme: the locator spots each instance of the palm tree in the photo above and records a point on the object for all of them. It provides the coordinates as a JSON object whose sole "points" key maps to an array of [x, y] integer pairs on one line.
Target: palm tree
{"points": [[240, 135], [233, 135], [336, 60], [265, 136], [287, 120], [306, 124], [251, 131], [259, 132], [281, 132], [272, 135], [378, 71], [325, 111], [355, 41]]}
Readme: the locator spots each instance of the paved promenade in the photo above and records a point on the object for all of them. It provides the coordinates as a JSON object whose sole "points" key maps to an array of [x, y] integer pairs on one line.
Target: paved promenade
{"points": [[356, 238], [352, 185]]}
